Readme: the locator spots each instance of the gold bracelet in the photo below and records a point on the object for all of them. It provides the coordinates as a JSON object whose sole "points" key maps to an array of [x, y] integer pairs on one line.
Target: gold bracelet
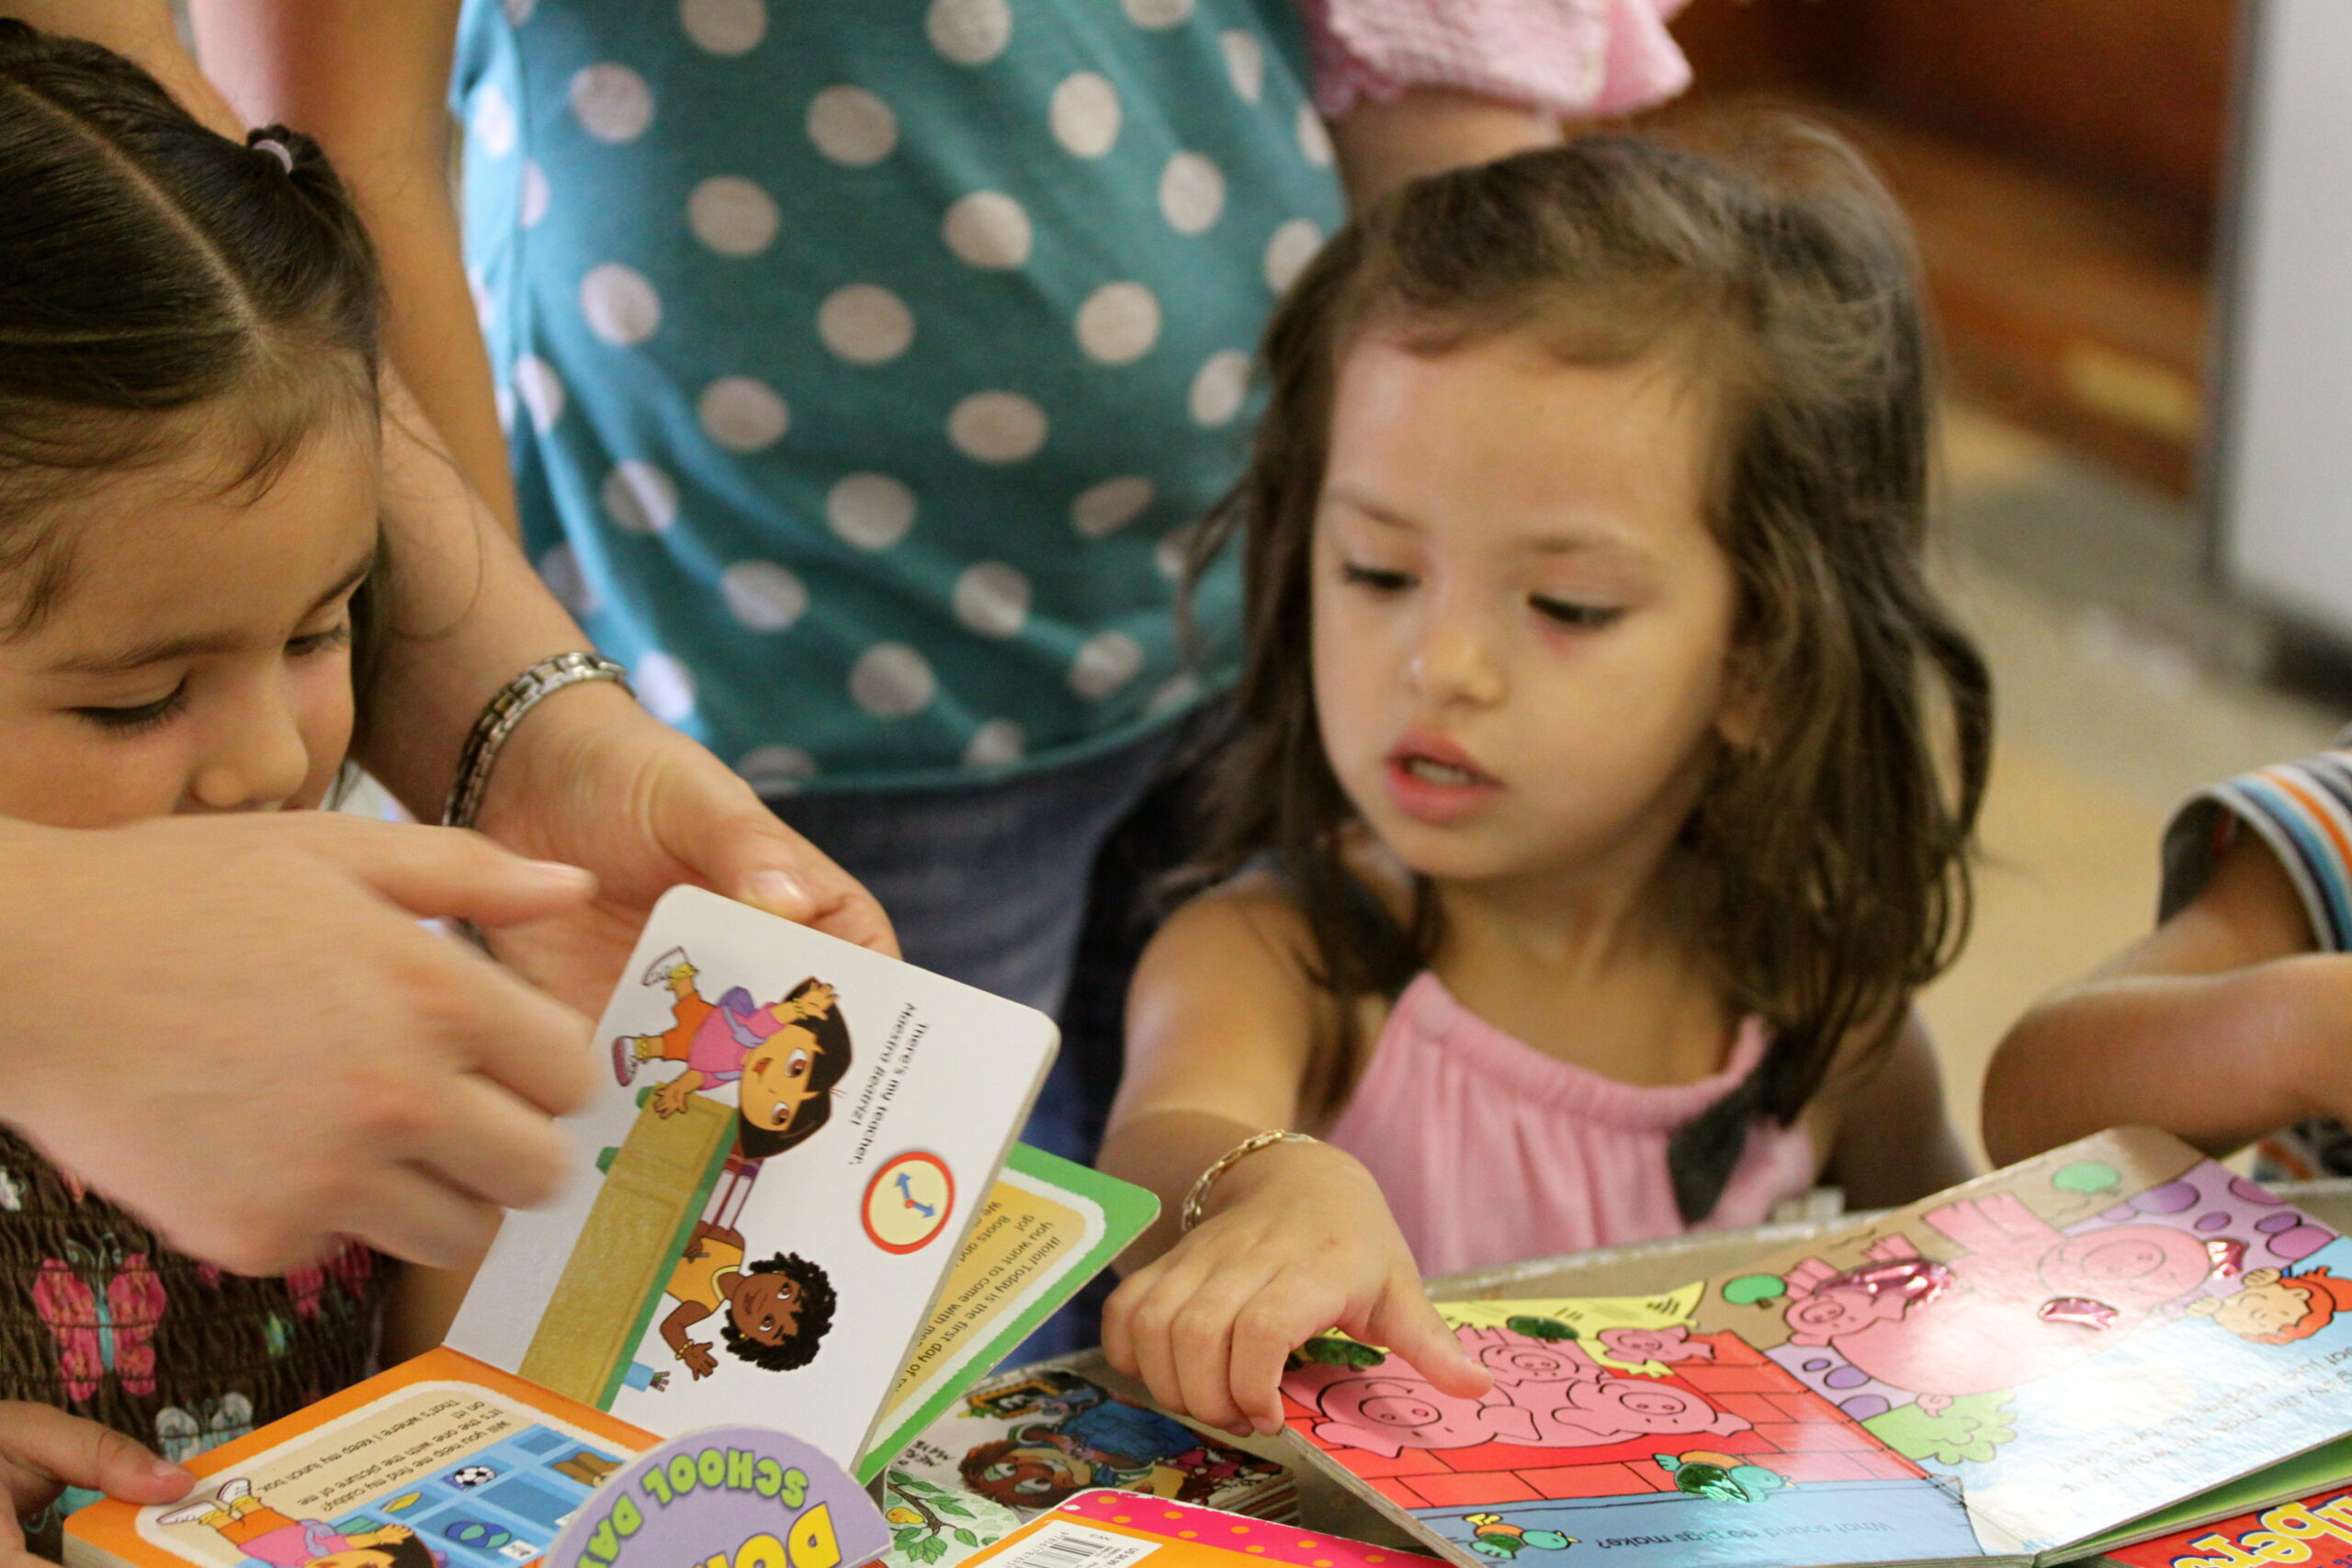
{"points": [[1196, 1201]]}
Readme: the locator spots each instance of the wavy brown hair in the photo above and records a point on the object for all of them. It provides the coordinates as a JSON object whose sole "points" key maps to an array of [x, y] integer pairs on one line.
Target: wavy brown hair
{"points": [[1781, 279]]}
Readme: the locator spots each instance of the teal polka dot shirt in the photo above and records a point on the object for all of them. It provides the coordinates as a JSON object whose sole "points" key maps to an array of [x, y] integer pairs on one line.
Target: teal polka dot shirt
{"points": [[865, 364]]}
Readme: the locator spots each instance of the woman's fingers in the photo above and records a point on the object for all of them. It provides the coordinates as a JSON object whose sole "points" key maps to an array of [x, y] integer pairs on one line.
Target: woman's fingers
{"points": [[486, 1143], [420, 1218]]}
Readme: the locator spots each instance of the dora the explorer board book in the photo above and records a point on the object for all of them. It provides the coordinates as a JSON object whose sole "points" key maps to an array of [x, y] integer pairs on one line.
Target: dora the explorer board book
{"points": [[795, 1210], [2051, 1362]]}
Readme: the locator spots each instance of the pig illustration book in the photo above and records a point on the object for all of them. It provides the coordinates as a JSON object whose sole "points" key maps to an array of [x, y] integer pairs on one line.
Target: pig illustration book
{"points": [[2022, 1370], [2018, 1301]]}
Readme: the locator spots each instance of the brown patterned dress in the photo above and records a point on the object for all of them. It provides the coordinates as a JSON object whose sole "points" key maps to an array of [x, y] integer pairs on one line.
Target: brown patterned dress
{"points": [[99, 1317]]}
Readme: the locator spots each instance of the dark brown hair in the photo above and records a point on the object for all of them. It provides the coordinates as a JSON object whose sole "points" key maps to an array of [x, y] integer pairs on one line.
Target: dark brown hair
{"points": [[152, 270], [1783, 282]]}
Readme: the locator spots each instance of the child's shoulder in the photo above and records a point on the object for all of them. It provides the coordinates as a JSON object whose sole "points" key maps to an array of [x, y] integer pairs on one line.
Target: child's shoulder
{"points": [[1261, 909]]}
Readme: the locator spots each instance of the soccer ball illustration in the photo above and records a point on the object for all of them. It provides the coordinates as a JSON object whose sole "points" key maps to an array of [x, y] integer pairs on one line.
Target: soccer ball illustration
{"points": [[472, 1475]]}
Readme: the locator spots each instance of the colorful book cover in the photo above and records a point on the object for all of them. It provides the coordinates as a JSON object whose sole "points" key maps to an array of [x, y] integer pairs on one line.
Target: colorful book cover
{"points": [[2316, 1530], [687, 1285], [1027, 1441], [2009, 1370], [1113, 1529], [1049, 1227], [440, 1463]]}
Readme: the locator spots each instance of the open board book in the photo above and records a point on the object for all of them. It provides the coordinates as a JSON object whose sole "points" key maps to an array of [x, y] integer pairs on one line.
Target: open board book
{"points": [[795, 1209], [2114, 1341]]}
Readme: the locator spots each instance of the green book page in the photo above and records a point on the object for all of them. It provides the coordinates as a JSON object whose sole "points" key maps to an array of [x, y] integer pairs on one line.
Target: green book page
{"points": [[1048, 1227], [2330, 1465]]}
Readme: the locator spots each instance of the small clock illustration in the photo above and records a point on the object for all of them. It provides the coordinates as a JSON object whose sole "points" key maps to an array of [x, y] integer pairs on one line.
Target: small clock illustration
{"points": [[908, 1202]]}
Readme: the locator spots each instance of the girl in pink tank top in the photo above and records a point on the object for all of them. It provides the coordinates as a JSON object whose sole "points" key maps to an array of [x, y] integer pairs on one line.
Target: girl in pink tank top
{"points": [[1600, 773]]}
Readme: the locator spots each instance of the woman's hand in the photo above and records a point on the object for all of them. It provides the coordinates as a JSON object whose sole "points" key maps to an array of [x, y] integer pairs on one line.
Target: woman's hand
{"points": [[1299, 1240], [43, 1451], [235, 1027], [593, 779]]}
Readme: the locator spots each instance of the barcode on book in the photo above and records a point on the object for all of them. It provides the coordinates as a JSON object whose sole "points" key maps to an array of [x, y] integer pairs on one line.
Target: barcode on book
{"points": [[1062, 1544]]}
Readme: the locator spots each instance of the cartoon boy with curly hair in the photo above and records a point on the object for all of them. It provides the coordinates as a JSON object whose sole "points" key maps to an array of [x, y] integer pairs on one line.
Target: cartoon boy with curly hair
{"points": [[773, 1314]]}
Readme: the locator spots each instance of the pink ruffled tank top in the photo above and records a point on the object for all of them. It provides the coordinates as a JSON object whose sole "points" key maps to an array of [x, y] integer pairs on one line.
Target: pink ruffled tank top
{"points": [[1491, 1152]]}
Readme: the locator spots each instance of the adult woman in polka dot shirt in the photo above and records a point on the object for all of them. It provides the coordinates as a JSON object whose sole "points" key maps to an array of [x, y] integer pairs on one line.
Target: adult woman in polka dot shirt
{"points": [[865, 366]]}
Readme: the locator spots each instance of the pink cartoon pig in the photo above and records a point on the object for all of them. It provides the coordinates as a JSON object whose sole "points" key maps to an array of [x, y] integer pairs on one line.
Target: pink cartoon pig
{"points": [[1592, 1412], [1514, 1360], [2022, 1302], [1386, 1415]]}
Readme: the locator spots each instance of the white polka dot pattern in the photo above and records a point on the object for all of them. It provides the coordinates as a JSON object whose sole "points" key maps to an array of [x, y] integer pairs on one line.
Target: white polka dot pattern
{"points": [[612, 103], [997, 427], [870, 512], [1219, 387], [1314, 139], [969, 32], [1107, 662], [1287, 253], [640, 498], [493, 122], [540, 391], [742, 414], [1192, 192], [851, 127], [620, 305], [1118, 323], [776, 769], [1245, 63], [865, 324], [1084, 114], [732, 215], [1158, 14], [1180, 693], [988, 229], [891, 679], [991, 599], [559, 570], [665, 686], [1103, 510], [762, 596], [534, 198], [725, 27], [998, 742]]}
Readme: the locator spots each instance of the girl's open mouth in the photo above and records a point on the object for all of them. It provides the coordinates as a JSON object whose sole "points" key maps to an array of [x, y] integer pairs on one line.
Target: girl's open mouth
{"points": [[1432, 778]]}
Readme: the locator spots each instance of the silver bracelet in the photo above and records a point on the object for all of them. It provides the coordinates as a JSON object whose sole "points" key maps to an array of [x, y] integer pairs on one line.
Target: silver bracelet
{"points": [[1197, 1202], [518, 697]]}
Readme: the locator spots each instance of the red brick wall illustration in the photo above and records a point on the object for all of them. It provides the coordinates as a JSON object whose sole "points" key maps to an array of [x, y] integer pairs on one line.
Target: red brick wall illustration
{"points": [[1794, 1431]]}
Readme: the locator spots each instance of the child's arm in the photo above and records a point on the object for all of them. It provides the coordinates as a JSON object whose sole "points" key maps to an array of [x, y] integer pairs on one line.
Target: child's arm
{"points": [[2219, 1026], [1221, 1024], [1895, 1143], [43, 1451]]}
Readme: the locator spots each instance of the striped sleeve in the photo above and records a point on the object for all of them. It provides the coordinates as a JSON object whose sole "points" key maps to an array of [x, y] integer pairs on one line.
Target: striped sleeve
{"points": [[2303, 811]]}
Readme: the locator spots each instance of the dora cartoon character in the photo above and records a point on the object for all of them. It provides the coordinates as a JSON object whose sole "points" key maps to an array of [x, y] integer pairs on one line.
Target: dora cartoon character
{"points": [[784, 1058], [774, 1314], [2272, 1308], [270, 1539]]}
